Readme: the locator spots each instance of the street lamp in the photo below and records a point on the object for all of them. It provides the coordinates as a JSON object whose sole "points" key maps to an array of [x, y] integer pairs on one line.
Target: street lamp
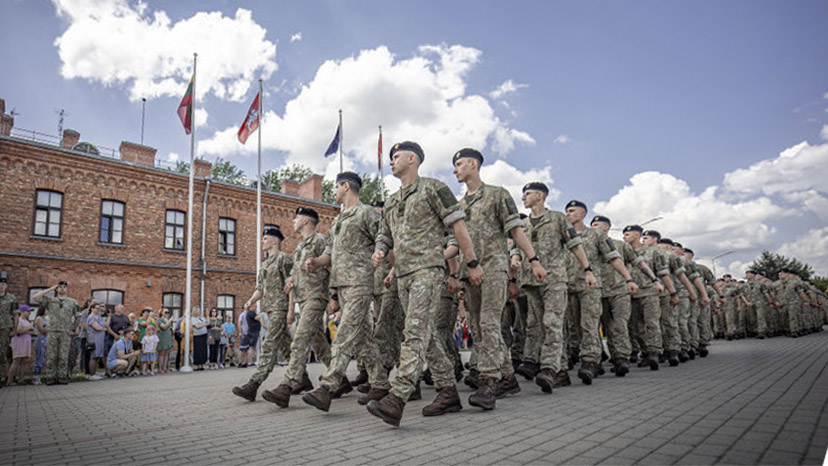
{"points": [[713, 260], [654, 219]]}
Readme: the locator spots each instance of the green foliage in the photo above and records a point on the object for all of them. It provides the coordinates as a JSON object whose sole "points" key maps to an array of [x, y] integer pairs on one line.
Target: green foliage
{"points": [[772, 263], [181, 167], [821, 282], [373, 189], [224, 170]]}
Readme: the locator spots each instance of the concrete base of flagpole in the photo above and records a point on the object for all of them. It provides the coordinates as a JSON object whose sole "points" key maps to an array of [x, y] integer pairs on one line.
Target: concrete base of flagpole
{"points": [[185, 368]]}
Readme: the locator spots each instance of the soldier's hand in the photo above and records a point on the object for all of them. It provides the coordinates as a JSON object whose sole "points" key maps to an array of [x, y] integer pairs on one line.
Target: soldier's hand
{"points": [[514, 263], [333, 306], [476, 275], [674, 300], [538, 271], [590, 280], [291, 317], [309, 265], [705, 302], [453, 285], [693, 297], [514, 290], [659, 287], [377, 258], [632, 287], [289, 285]]}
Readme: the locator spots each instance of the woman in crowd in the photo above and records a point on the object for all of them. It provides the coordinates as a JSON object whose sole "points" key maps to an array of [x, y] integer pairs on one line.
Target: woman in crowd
{"points": [[199, 325], [95, 331], [40, 324], [145, 321], [214, 339], [228, 336], [165, 340], [21, 344]]}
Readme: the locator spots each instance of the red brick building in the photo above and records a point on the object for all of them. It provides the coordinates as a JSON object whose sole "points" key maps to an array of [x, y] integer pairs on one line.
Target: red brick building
{"points": [[116, 227]]}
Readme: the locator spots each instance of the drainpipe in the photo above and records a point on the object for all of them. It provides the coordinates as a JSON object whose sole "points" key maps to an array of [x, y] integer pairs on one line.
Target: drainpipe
{"points": [[203, 239]]}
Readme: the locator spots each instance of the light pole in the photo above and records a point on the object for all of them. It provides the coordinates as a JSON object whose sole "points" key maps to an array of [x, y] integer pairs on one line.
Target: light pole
{"points": [[713, 260], [654, 219]]}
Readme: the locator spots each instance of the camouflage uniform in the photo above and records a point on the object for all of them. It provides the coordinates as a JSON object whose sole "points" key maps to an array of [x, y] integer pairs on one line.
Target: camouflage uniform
{"points": [[683, 314], [692, 335], [732, 295], [645, 310], [273, 275], [444, 325], [792, 303], [350, 245], [759, 303], [413, 224], [390, 318], [8, 304], [490, 214], [61, 313], [310, 292], [670, 337], [705, 312], [615, 301], [513, 325], [552, 237], [584, 308]]}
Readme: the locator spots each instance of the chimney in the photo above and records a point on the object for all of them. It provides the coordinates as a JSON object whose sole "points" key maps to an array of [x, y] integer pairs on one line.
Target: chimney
{"points": [[290, 187], [70, 138], [311, 188], [136, 153], [2, 106], [202, 168]]}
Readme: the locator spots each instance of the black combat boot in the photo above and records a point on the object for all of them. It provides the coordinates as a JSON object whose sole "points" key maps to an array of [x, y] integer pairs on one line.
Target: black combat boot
{"points": [[546, 380], [362, 378], [528, 370], [586, 373], [621, 367]]}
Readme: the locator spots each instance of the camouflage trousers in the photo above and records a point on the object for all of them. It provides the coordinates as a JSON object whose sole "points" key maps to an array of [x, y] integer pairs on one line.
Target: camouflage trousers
{"points": [[544, 325], [705, 321], [670, 338], [389, 328], [444, 330], [57, 356], [731, 315], [583, 313], [645, 325], [684, 321], [276, 340], [309, 332], [354, 339], [420, 294], [513, 326], [793, 310], [5, 340], [615, 318], [693, 324], [484, 305]]}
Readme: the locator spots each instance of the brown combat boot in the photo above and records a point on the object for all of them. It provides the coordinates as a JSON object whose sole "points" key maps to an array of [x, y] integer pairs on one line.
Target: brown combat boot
{"points": [[506, 386], [279, 395], [546, 380], [305, 386], [247, 391], [528, 370], [344, 387], [389, 409], [363, 387], [484, 397], [362, 378], [561, 379], [417, 394], [586, 373], [447, 401], [473, 379], [319, 398], [373, 394]]}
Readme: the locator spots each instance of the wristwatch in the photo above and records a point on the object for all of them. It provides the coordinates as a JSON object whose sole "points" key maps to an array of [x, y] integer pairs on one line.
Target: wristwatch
{"points": [[632, 280], [588, 268], [536, 258], [472, 264], [513, 280], [453, 275]]}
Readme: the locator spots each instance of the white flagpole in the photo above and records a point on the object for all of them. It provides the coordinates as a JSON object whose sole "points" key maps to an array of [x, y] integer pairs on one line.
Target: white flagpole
{"points": [[341, 133], [381, 171], [189, 286], [259, 213]]}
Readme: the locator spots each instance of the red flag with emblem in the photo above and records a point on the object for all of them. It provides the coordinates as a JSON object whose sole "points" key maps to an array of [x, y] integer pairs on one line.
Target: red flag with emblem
{"points": [[251, 121]]}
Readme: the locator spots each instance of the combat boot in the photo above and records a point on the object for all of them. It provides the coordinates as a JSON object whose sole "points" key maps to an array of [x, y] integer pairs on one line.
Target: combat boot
{"points": [[683, 356], [586, 373], [319, 398], [362, 378], [634, 357], [427, 377], [458, 372], [598, 369], [417, 394], [389, 409], [673, 358], [703, 352], [447, 401], [364, 387], [473, 379], [305, 386], [344, 387], [516, 363], [545, 380], [652, 361], [247, 391], [373, 394], [561, 379], [645, 360], [528, 370], [621, 367], [279, 395], [691, 354], [484, 397], [506, 386]]}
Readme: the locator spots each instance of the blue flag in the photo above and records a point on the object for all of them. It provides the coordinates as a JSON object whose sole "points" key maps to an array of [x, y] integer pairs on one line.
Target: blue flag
{"points": [[334, 144]]}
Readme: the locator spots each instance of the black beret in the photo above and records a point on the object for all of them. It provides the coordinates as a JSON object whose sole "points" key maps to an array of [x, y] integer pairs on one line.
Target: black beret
{"points": [[633, 228], [307, 212], [349, 176], [380, 204], [3, 280], [523, 216], [653, 233], [409, 146], [677, 244], [665, 241], [470, 153], [601, 218], [750, 271], [689, 251], [63, 282], [574, 203], [536, 186], [273, 231], [762, 273]]}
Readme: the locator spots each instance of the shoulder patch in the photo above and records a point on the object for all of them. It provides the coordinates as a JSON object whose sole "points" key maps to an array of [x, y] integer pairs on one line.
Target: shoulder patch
{"points": [[511, 208], [610, 244], [572, 233], [446, 196]]}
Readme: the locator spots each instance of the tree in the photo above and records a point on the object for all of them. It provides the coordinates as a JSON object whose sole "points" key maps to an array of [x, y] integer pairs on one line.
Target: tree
{"points": [[181, 167], [270, 181], [821, 282], [224, 170], [373, 189], [772, 263]]}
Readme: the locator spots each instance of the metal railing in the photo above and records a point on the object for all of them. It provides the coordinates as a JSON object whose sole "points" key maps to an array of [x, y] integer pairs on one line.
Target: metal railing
{"points": [[52, 140]]}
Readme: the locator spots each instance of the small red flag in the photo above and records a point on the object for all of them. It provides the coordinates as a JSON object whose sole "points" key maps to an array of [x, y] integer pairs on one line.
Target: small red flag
{"points": [[185, 108], [379, 151], [251, 121]]}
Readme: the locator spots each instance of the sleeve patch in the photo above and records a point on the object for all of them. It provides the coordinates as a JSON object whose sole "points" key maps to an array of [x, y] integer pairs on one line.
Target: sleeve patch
{"points": [[446, 197]]}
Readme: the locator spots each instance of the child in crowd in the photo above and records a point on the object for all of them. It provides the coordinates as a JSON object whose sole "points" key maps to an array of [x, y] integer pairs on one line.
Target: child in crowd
{"points": [[148, 353]]}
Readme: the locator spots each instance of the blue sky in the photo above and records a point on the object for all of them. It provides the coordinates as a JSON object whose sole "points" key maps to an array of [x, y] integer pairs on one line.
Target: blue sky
{"points": [[641, 109]]}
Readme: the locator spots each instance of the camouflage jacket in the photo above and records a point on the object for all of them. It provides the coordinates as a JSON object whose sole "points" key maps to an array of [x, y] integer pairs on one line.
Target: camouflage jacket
{"points": [[61, 312], [551, 235], [273, 274], [612, 282], [413, 224], [350, 245], [8, 304], [309, 285], [657, 263], [599, 249]]}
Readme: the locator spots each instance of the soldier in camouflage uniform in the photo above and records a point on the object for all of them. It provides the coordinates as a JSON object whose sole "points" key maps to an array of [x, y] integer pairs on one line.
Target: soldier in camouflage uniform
{"points": [[706, 312], [413, 226], [270, 289], [584, 307], [8, 304], [350, 245], [552, 236], [687, 295], [760, 301], [491, 214], [695, 277], [671, 339], [793, 296], [62, 310], [310, 291]]}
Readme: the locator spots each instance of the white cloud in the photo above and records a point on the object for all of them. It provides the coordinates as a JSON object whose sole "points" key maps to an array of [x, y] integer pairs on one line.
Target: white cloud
{"points": [[117, 43], [296, 37], [810, 200], [502, 174], [705, 221], [797, 168], [173, 157], [422, 98], [562, 139], [824, 132], [507, 87], [810, 248], [200, 116]]}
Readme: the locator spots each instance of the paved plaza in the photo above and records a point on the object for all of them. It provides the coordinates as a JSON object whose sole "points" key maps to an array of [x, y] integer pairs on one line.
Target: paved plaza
{"points": [[749, 402]]}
